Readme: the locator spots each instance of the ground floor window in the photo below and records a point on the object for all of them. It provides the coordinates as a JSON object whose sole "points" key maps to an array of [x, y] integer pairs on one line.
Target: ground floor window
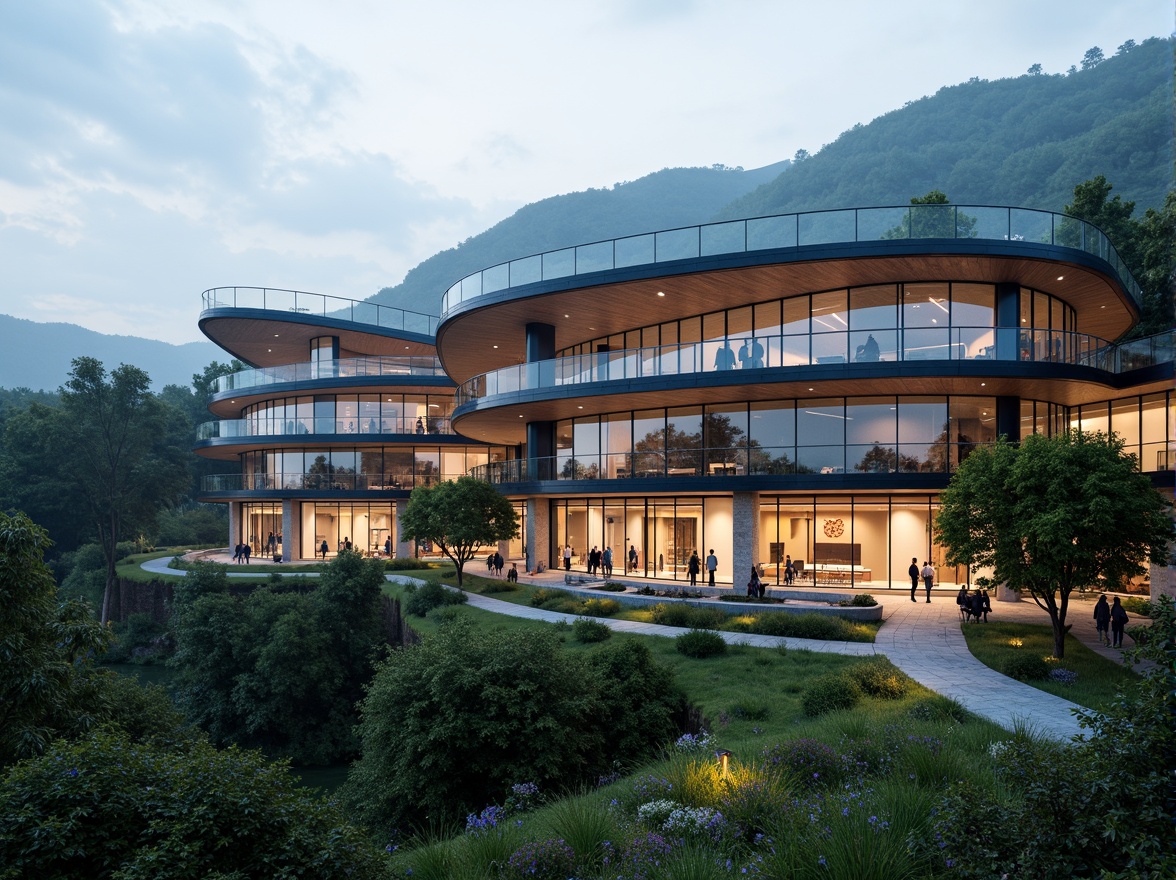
{"points": [[831, 540], [366, 527], [261, 527]]}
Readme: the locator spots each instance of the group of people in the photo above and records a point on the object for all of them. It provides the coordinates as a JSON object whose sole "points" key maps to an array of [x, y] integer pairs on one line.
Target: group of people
{"points": [[241, 554], [494, 564], [756, 587], [1110, 620], [751, 356], [926, 573], [600, 561], [973, 605]]}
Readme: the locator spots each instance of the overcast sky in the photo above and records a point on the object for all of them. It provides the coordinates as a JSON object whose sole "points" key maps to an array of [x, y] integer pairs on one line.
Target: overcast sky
{"points": [[151, 150]]}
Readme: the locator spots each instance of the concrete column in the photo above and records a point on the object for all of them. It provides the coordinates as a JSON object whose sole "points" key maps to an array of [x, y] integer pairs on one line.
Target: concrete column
{"points": [[234, 524], [403, 545], [745, 544], [538, 537], [291, 529]]}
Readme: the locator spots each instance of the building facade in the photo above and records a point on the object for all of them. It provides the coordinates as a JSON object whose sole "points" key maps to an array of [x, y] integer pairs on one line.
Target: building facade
{"points": [[795, 387]]}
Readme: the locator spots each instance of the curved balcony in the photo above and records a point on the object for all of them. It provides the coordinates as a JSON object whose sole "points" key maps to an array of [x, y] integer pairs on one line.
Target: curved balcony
{"points": [[853, 225], [747, 460], [319, 305], [814, 349], [344, 368], [343, 428], [215, 484]]}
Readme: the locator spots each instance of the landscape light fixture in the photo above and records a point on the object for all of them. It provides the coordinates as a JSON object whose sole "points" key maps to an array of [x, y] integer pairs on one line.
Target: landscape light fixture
{"points": [[724, 756]]}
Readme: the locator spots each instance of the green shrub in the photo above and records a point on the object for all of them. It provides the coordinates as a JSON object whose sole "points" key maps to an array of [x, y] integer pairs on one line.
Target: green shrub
{"points": [[420, 601], [586, 631], [828, 693], [445, 614], [1137, 606], [700, 643], [601, 607], [1024, 666], [497, 586], [407, 563], [940, 708], [859, 600], [803, 626], [610, 587], [878, 677], [680, 614], [544, 595]]}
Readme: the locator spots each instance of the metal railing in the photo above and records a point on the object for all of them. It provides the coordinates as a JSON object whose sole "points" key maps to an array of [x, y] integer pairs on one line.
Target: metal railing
{"points": [[851, 225], [738, 354], [352, 427], [320, 305], [344, 368], [320, 482]]}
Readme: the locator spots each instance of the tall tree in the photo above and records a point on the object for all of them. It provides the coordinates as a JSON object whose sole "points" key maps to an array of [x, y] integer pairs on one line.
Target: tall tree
{"points": [[1053, 515], [47, 688], [459, 517], [125, 452]]}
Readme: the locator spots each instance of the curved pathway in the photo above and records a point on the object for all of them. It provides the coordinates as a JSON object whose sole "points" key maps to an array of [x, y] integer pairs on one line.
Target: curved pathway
{"points": [[924, 640]]}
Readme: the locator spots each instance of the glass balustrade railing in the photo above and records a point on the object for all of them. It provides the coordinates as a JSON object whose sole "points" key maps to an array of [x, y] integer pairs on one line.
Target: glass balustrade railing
{"points": [[736, 355], [320, 305], [320, 482], [906, 222], [350, 427], [344, 368]]}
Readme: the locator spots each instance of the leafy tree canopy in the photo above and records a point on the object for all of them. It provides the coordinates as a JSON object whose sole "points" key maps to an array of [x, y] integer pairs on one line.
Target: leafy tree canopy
{"points": [[104, 807], [450, 724], [459, 517], [1053, 515]]}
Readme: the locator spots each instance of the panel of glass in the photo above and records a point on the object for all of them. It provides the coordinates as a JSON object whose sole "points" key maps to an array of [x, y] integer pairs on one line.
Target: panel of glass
{"points": [[990, 223], [586, 447], [636, 250], [496, 278], [683, 441], [973, 421], [526, 271], [649, 448], [826, 226], [594, 257], [676, 244], [766, 233], [874, 224], [559, 264], [723, 238]]}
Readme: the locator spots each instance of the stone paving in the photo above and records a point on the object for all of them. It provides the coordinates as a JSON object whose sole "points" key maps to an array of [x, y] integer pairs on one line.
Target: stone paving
{"points": [[923, 639]]}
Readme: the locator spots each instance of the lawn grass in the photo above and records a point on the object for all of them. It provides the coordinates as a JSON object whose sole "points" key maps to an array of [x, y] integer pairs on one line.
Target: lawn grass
{"points": [[995, 643]]}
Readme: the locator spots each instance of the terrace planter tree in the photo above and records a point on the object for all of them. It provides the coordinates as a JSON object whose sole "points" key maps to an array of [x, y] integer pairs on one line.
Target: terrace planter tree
{"points": [[1054, 514], [459, 517]]}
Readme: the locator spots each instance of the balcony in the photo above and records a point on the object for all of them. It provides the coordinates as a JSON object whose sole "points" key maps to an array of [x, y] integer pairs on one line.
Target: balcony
{"points": [[344, 368], [369, 431]]}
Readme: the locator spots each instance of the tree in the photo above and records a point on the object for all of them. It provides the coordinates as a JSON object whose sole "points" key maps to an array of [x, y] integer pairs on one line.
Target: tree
{"points": [[933, 216], [450, 724], [281, 671], [125, 450], [459, 517], [1053, 515], [104, 807], [1034, 70], [48, 686], [1092, 58]]}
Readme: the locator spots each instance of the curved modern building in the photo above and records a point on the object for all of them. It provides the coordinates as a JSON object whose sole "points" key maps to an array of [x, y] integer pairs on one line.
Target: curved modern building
{"points": [[793, 386]]}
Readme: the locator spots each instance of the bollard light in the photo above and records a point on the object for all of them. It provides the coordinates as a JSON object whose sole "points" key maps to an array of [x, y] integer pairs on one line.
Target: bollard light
{"points": [[724, 757]]}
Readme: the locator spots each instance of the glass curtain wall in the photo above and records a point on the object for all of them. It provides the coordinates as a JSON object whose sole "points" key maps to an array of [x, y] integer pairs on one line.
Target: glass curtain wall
{"points": [[366, 526]]}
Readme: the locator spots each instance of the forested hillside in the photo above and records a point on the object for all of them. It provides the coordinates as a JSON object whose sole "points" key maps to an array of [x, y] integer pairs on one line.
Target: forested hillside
{"points": [[662, 200], [1026, 141]]}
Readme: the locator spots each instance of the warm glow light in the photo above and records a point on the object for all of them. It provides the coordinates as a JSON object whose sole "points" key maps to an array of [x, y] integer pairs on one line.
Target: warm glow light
{"points": [[661, 293], [724, 757]]}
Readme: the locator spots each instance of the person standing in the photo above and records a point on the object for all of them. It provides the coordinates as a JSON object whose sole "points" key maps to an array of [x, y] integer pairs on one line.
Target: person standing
{"points": [[567, 557], [693, 567], [632, 557], [753, 585], [962, 600], [1119, 619], [928, 577], [607, 562], [1102, 620], [323, 548], [789, 571], [913, 571], [246, 549], [712, 563]]}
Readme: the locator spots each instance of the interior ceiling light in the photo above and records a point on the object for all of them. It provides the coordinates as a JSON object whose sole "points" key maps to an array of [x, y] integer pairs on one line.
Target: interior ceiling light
{"points": [[661, 293], [1061, 278]]}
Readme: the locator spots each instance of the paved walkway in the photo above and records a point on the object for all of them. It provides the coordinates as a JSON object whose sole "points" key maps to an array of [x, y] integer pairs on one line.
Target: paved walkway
{"points": [[924, 640]]}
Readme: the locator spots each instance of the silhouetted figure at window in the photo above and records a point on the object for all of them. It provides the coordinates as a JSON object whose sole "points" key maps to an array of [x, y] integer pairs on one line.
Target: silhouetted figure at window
{"points": [[868, 351]]}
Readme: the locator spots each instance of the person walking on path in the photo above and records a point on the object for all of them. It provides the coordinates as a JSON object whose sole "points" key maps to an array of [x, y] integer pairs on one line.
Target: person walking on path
{"points": [[1102, 620], [1119, 619], [928, 577], [962, 600], [693, 566], [712, 563], [913, 571]]}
